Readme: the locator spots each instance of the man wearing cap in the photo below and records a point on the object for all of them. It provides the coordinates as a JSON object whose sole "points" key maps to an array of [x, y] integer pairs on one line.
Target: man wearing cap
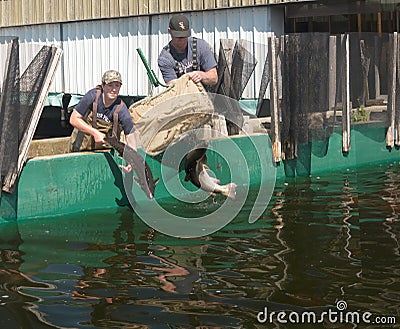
{"points": [[101, 112], [185, 54]]}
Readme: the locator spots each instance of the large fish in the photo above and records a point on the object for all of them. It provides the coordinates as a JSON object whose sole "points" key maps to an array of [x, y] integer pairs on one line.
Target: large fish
{"points": [[197, 172], [145, 177]]}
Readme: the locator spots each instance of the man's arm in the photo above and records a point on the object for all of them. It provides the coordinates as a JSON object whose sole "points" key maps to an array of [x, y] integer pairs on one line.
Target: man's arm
{"points": [[77, 121], [208, 78]]}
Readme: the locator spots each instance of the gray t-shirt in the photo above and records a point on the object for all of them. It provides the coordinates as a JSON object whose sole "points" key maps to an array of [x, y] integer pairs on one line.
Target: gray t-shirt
{"points": [[169, 61]]}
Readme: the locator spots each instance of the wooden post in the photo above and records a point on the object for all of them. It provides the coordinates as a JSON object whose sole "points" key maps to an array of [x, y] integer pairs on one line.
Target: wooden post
{"points": [[377, 48], [275, 118], [346, 110], [379, 23], [397, 91], [391, 107], [365, 63], [332, 72]]}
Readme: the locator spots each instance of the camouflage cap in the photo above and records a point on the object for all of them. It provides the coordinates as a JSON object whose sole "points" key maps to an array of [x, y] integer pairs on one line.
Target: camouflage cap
{"points": [[111, 76]]}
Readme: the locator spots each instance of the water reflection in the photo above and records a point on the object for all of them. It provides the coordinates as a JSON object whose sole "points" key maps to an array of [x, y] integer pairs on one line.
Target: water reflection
{"points": [[322, 239], [17, 309]]}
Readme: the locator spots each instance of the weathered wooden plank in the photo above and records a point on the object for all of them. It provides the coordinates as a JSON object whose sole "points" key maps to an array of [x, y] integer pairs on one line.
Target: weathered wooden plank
{"points": [[197, 4], [48, 15], [163, 6], [235, 3], [96, 9], [62, 9], [391, 107], [24, 13], [346, 111], [332, 72], [153, 6], [87, 9], [40, 11], [186, 5], [18, 18], [208, 4], [123, 8], [174, 5], [69, 12], [78, 10], [52, 11], [133, 7], [143, 7], [222, 3], [247, 2], [114, 8], [275, 118], [397, 90], [104, 8]]}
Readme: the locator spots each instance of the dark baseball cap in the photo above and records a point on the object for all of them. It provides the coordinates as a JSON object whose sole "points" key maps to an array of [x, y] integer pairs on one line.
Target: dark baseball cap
{"points": [[179, 25]]}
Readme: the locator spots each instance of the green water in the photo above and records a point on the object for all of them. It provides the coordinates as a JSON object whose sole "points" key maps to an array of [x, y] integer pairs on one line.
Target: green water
{"points": [[322, 240]]}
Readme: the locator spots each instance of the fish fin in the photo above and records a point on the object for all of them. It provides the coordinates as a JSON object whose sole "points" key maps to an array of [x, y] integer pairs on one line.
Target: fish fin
{"points": [[157, 180], [229, 190]]}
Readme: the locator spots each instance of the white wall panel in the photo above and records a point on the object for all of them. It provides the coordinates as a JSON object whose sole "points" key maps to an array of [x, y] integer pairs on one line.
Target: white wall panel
{"points": [[91, 47], [31, 40]]}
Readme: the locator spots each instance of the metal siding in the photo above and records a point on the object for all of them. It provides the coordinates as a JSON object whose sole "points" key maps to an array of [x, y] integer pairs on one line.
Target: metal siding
{"points": [[91, 47], [102, 45], [31, 40]]}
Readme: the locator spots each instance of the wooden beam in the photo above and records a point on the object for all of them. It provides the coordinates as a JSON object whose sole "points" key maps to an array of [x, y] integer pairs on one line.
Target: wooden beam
{"points": [[275, 117], [379, 22], [346, 111], [332, 72], [391, 107]]}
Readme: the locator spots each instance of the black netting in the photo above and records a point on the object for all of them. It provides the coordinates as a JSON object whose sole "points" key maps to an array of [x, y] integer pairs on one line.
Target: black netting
{"points": [[314, 81], [265, 81], [9, 111], [20, 98], [305, 72], [32, 83], [236, 64], [224, 68], [243, 64]]}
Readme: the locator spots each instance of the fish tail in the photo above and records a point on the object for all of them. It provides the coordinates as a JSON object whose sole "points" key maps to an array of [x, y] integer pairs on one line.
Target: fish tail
{"points": [[229, 190]]}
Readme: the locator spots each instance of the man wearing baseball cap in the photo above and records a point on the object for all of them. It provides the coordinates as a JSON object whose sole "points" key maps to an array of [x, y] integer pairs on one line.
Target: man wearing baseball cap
{"points": [[101, 112], [186, 54]]}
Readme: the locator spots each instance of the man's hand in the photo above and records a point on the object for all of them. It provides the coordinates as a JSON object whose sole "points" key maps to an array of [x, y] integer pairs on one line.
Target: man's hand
{"points": [[195, 76], [207, 78], [127, 168], [98, 136]]}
